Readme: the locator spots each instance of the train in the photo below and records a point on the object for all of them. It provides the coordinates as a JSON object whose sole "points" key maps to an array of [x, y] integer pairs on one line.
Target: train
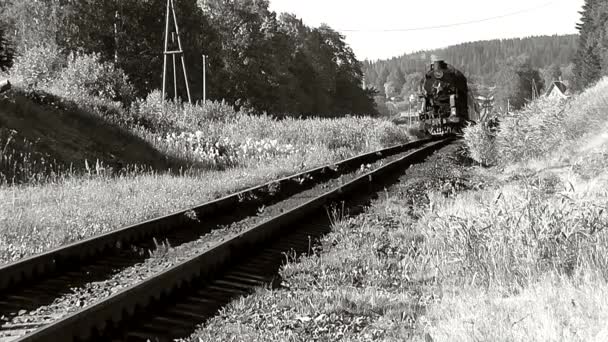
{"points": [[444, 99]]}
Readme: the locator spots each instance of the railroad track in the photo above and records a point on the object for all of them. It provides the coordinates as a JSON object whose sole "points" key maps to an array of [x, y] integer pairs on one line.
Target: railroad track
{"points": [[209, 277]]}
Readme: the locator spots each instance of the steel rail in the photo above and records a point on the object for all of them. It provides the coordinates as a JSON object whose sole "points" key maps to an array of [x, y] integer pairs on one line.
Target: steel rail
{"points": [[95, 318], [46, 263]]}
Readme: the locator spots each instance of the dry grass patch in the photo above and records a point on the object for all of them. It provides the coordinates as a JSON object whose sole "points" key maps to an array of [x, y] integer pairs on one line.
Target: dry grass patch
{"points": [[552, 309]]}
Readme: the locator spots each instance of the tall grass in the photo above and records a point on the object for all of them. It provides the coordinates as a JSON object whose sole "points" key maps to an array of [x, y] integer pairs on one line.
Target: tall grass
{"points": [[512, 239], [21, 160], [543, 126]]}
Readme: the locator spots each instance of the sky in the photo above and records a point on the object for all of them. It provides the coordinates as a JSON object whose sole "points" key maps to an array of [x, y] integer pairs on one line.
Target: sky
{"points": [[382, 29]]}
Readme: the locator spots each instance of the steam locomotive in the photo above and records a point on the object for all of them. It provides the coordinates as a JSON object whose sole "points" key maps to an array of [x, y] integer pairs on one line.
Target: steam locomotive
{"points": [[443, 99]]}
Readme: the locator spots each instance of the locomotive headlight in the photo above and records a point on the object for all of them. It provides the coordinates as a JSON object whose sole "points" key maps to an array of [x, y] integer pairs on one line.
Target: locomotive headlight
{"points": [[453, 112]]}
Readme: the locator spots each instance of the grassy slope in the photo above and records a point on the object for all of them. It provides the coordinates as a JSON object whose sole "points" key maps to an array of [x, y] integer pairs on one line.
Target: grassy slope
{"points": [[523, 259], [70, 135], [35, 217]]}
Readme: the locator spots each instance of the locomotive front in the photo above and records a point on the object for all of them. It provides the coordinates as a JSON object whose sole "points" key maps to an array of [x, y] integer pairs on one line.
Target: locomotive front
{"points": [[443, 99]]}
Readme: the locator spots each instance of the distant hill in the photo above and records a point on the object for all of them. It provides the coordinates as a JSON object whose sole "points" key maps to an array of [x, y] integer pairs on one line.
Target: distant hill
{"points": [[478, 60]]}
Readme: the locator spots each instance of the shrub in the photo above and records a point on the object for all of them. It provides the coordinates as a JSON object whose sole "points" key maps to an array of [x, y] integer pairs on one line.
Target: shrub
{"points": [[37, 66], [86, 76], [206, 153], [211, 110], [389, 134], [480, 141], [532, 132], [173, 116], [587, 112], [150, 113]]}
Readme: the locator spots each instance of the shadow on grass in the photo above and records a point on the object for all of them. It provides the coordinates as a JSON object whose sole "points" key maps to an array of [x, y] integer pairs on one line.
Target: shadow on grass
{"points": [[43, 135]]}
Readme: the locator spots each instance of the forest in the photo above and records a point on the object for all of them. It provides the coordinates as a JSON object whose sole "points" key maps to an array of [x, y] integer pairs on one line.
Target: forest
{"points": [[256, 59], [480, 61], [591, 60]]}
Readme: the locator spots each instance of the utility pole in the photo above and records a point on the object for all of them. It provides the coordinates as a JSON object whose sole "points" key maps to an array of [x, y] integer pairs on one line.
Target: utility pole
{"points": [[204, 79], [410, 112], [534, 90], [174, 69], [179, 51]]}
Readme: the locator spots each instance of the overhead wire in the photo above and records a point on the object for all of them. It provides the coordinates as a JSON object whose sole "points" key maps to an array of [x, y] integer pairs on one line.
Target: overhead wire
{"points": [[423, 28]]}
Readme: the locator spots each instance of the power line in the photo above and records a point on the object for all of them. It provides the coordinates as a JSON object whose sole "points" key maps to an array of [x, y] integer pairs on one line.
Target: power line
{"points": [[454, 24]]}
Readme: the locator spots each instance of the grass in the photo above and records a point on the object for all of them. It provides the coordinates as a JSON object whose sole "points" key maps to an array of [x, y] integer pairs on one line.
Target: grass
{"points": [[40, 127], [36, 218], [364, 285], [544, 127], [522, 257], [552, 309], [68, 172]]}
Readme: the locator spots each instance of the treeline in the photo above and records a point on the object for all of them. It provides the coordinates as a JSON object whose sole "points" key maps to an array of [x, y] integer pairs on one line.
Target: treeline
{"points": [[591, 62], [256, 59], [480, 61]]}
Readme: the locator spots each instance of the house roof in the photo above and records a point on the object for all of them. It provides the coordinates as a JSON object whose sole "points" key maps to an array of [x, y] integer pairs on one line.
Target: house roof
{"points": [[563, 89]]}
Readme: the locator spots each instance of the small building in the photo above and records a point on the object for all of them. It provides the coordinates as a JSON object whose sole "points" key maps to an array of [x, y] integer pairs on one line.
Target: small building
{"points": [[558, 90]]}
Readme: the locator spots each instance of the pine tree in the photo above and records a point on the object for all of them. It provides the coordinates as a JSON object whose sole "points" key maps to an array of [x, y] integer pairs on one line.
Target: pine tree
{"points": [[587, 67], [590, 67]]}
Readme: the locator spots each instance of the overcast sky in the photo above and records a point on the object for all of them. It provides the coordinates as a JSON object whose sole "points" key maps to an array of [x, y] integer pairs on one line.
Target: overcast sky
{"points": [[372, 21]]}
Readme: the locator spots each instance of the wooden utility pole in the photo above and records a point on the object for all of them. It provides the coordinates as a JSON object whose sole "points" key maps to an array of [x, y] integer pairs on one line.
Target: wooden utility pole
{"points": [[174, 69], [204, 79], [179, 51]]}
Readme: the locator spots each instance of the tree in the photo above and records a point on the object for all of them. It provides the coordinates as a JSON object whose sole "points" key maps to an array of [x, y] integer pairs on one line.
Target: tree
{"points": [[591, 61], [396, 79], [33, 23], [411, 84], [568, 73], [127, 33], [254, 59], [381, 106], [480, 60], [514, 83], [550, 74], [590, 67]]}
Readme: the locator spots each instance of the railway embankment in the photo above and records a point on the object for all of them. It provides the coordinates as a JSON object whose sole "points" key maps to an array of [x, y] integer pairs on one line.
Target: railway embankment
{"points": [[515, 250], [53, 190]]}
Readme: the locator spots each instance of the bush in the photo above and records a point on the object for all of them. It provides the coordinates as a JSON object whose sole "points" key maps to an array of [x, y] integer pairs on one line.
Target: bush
{"points": [[86, 76], [529, 133], [532, 132], [37, 66], [480, 141], [389, 134], [150, 114], [211, 110], [173, 116]]}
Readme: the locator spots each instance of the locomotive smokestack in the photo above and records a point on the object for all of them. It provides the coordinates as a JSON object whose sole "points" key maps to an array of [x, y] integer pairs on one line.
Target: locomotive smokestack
{"points": [[437, 62]]}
